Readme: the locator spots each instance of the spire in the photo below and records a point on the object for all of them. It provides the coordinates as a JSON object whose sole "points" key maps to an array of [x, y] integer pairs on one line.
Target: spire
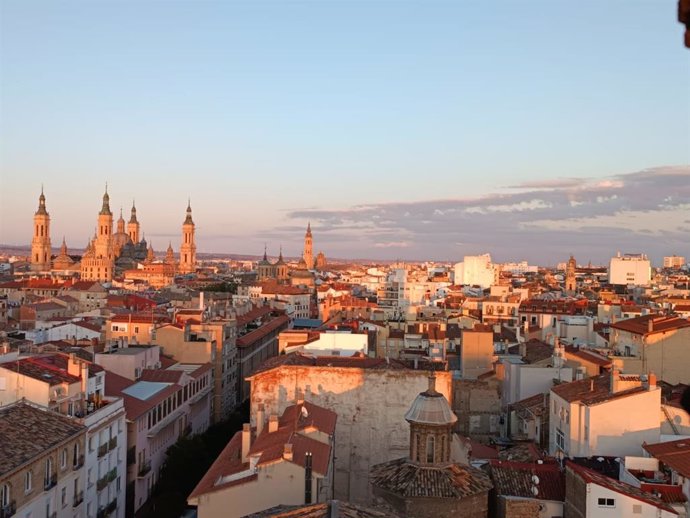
{"points": [[63, 248], [280, 256], [265, 256], [42, 203], [188, 220], [133, 217], [105, 210], [309, 228]]}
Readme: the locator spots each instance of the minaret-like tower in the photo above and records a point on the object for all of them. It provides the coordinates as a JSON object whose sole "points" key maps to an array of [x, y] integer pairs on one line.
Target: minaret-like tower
{"points": [[40, 244], [188, 247], [133, 226], [98, 260], [308, 253], [570, 283]]}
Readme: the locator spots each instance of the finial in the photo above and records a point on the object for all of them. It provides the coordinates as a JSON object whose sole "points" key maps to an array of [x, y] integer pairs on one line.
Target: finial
{"points": [[106, 187], [189, 204], [41, 189], [120, 211]]}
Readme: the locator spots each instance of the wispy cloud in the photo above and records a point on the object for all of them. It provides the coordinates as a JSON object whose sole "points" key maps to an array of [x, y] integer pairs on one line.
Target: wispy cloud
{"points": [[546, 220]]}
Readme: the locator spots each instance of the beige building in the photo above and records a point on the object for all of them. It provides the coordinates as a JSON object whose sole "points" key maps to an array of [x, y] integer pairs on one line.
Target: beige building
{"points": [[609, 415], [477, 351], [286, 461], [652, 343], [41, 463]]}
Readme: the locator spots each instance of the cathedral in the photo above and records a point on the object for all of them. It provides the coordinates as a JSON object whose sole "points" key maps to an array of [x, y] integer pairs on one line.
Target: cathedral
{"points": [[108, 252], [301, 275]]}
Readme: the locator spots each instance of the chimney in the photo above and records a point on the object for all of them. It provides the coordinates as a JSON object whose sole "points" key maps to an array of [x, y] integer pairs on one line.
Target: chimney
{"points": [[201, 300], [651, 381], [84, 375], [73, 367], [246, 440], [615, 380], [591, 385], [260, 417], [650, 325], [273, 423], [287, 451]]}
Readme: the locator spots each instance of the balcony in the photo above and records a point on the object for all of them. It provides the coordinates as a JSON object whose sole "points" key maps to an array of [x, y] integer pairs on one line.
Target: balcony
{"points": [[102, 450], [100, 513], [112, 443], [78, 462], [78, 499], [8, 510], [111, 507], [131, 455], [111, 475], [144, 469], [50, 482], [53, 514]]}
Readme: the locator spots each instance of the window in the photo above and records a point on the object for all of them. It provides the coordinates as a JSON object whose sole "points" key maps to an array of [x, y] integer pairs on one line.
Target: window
{"points": [[28, 480], [4, 495], [560, 439], [430, 448], [63, 497], [63, 459], [606, 502]]}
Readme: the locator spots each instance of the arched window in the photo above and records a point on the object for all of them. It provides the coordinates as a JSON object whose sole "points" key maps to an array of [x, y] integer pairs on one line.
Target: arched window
{"points": [[63, 459], [416, 453], [430, 449], [4, 495], [28, 481], [444, 451]]}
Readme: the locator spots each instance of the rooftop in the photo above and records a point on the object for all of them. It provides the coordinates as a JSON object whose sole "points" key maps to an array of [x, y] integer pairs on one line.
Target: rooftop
{"points": [[651, 324], [29, 433], [517, 479], [674, 454], [597, 389]]}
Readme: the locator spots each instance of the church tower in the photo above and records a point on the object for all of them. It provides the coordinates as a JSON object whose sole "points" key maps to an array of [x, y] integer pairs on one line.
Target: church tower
{"points": [[103, 244], [570, 283], [308, 251], [98, 260], [188, 247], [40, 244], [133, 226]]}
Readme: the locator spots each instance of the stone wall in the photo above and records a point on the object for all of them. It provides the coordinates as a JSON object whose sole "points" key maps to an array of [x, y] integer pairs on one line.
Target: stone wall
{"points": [[370, 403]]}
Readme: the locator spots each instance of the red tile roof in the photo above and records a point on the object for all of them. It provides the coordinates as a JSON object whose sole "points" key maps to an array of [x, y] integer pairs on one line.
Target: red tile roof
{"points": [[516, 479], [675, 454], [312, 416], [588, 356], [641, 325], [261, 332], [594, 477], [591, 391]]}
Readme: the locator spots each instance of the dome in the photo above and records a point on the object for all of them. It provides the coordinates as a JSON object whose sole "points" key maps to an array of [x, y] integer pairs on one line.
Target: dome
{"points": [[431, 408]]}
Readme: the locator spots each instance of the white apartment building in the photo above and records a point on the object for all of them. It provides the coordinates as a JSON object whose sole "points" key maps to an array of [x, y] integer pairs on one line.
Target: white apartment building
{"points": [[76, 389], [609, 415], [630, 269], [475, 270]]}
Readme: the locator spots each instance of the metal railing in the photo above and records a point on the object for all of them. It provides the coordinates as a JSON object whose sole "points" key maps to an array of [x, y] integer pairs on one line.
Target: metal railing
{"points": [[102, 449], [50, 482], [112, 443], [78, 499], [78, 462], [8, 510], [144, 468]]}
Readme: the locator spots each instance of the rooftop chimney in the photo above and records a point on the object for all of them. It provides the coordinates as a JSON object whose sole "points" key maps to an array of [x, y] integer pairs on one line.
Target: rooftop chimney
{"points": [[615, 380], [273, 423], [260, 417], [650, 325], [651, 381], [246, 440], [287, 451]]}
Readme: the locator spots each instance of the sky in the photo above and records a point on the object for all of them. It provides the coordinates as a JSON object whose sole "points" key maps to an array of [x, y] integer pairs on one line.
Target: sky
{"points": [[529, 129]]}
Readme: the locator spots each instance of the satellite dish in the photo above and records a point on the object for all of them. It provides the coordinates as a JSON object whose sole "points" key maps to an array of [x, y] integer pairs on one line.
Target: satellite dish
{"points": [[305, 412], [535, 479], [535, 490]]}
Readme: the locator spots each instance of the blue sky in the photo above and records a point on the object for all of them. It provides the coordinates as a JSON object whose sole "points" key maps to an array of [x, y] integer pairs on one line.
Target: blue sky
{"points": [[270, 114]]}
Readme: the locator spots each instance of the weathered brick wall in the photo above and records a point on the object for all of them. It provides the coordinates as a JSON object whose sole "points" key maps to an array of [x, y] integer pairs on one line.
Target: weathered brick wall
{"points": [[509, 508], [575, 496]]}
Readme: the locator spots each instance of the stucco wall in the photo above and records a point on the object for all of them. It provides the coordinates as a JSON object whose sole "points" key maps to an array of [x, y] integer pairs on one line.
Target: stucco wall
{"points": [[370, 404]]}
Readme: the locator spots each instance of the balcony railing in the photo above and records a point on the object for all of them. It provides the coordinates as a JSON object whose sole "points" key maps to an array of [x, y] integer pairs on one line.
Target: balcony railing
{"points": [[8, 510], [78, 462], [50, 482], [144, 468], [111, 475], [102, 482], [78, 499], [100, 513], [131, 455], [53, 514], [102, 449], [111, 507], [112, 443]]}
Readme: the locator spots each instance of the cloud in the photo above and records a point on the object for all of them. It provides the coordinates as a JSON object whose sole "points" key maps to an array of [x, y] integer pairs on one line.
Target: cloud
{"points": [[539, 221]]}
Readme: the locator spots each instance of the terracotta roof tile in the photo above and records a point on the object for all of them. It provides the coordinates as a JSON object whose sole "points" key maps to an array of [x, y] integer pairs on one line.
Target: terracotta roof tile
{"points": [[515, 479], [675, 454]]}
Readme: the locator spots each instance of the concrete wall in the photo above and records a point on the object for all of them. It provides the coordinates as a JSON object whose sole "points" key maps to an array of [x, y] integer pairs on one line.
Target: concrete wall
{"points": [[477, 353], [370, 403], [477, 404]]}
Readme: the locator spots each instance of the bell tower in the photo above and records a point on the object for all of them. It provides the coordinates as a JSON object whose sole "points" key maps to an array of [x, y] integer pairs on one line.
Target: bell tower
{"points": [[308, 250], [188, 246], [133, 226], [570, 282], [40, 244]]}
